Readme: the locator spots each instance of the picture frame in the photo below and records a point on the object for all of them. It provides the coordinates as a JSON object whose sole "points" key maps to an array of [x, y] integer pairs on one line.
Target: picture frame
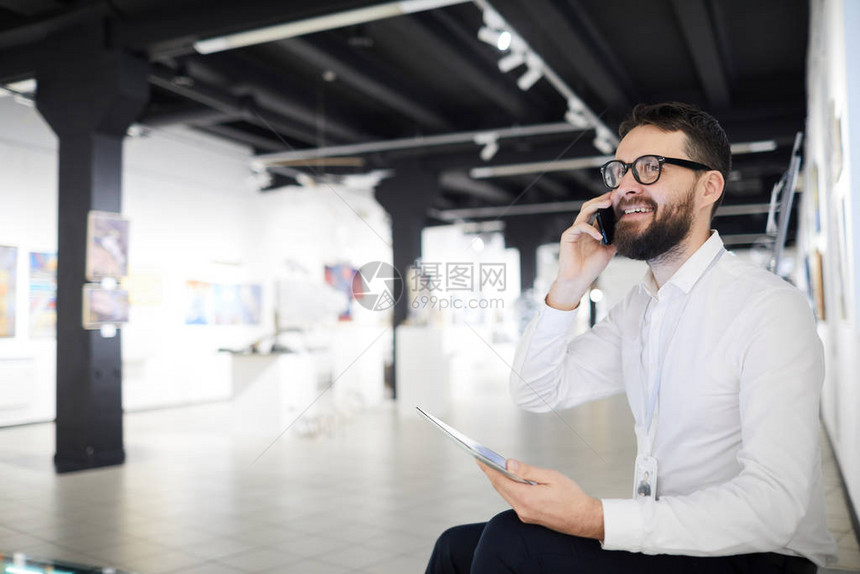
{"points": [[8, 290], [107, 246], [43, 294], [104, 306]]}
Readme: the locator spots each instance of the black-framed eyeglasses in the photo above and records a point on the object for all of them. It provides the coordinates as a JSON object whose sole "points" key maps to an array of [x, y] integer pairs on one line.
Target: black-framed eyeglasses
{"points": [[646, 169]]}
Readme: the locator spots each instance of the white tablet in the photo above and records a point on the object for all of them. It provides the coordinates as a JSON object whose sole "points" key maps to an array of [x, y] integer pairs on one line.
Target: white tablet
{"points": [[482, 453]]}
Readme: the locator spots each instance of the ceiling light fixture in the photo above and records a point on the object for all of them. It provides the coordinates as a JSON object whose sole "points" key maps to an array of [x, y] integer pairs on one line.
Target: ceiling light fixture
{"points": [[504, 41], [575, 114], [533, 74], [495, 32], [489, 36], [319, 24], [511, 61], [578, 115], [754, 147], [603, 140], [490, 141]]}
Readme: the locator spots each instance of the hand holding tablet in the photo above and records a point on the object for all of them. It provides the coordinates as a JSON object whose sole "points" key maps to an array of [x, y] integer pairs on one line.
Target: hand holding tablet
{"points": [[482, 453]]}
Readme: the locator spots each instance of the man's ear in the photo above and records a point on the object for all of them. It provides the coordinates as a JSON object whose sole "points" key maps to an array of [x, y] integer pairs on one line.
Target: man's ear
{"points": [[713, 186]]}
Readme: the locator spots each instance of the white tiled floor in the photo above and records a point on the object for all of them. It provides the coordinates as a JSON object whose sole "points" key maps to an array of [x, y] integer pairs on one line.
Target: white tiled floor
{"points": [[369, 496]]}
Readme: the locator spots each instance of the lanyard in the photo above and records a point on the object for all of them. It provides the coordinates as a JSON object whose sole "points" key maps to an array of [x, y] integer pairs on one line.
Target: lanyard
{"points": [[654, 395]]}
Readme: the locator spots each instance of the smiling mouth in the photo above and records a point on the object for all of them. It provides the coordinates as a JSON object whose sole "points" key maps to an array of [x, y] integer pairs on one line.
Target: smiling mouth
{"points": [[636, 210]]}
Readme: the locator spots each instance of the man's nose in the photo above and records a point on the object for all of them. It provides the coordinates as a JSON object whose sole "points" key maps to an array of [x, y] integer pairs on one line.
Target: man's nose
{"points": [[627, 186]]}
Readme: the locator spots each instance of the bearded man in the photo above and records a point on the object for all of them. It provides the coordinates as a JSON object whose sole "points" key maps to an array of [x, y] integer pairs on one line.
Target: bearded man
{"points": [[722, 368]]}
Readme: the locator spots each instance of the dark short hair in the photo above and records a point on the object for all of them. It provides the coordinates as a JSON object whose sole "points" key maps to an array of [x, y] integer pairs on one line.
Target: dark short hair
{"points": [[706, 141]]}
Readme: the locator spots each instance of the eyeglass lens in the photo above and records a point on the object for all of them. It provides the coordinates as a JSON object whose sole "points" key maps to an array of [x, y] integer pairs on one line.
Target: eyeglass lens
{"points": [[646, 170]]}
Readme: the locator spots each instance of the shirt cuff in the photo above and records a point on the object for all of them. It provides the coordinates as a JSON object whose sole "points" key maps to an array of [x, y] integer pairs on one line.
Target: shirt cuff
{"points": [[555, 320], [622, 525]]}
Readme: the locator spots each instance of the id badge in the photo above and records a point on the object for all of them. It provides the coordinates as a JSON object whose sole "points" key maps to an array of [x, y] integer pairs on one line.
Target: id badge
{"points": [[645, 483]]}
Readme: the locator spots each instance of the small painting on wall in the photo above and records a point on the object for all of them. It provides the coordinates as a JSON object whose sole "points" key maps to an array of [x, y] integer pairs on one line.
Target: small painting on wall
{"points": [[104, 306], [8, 284], [43, 294], [107, 246]]}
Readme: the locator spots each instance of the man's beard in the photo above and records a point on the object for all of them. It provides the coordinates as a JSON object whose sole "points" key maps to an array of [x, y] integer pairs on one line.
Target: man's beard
{"points": [[662, 236]]}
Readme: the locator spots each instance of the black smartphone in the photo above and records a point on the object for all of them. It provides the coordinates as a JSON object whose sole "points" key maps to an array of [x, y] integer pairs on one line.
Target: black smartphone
{"points": [[606, 224]]}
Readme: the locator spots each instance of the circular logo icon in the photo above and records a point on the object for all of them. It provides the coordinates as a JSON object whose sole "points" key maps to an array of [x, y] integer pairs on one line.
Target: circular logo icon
{"points": [[377, 286]]}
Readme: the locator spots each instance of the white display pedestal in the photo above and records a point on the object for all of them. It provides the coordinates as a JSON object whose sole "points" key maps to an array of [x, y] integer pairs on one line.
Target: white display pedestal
{"points": [[271, 390], [358, 365], [422, 370]]}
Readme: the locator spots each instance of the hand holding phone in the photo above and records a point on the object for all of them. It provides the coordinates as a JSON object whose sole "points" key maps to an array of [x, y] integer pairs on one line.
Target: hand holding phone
{"points": [[585, 250]]}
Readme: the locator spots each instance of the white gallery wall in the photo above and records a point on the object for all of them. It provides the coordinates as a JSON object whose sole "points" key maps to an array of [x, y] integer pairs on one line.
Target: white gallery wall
{"points": [[28, 221], [829, 235], [194, 216]]}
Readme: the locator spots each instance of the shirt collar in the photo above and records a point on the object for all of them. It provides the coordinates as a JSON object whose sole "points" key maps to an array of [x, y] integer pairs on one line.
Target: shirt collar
{"points": [[692, 269]]}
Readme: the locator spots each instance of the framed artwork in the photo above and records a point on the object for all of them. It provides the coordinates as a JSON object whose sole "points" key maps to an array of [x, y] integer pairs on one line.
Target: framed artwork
{"points": [[104, 306], [816, 276], [251, 302], [835, 144], [107, 246], [227, 304], [223, 304], [199, 304], [8, 285], [43, 294], [341, 276]]}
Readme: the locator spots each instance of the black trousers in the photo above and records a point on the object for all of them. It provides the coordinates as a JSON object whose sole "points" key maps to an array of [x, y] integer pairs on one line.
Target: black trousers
{"points": [[507, 545]]}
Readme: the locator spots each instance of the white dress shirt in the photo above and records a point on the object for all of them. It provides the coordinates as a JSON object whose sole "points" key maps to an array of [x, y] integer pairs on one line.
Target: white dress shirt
{"points": [[737, 411]]}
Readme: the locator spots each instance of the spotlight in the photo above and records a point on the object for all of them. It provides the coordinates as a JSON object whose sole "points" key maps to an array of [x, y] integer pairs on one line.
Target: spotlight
{"points": [[530, 78], [603, 141], [489, 36], [499, 39], [490, 141], [575, 115], [489, 150], [511, 61]]}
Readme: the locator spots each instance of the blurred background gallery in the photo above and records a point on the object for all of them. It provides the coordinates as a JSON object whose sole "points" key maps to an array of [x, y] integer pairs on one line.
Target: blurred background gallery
{"points": [[240, 244]]}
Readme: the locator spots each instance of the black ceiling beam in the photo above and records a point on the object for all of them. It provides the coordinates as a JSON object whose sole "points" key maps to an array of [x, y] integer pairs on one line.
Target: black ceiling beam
{"points": [[31, 7], [569, 43], [465, 156], [543, 182], [171, 32], [185, 113], [244, 107], [698, 30], [235, 134], [372, 83], [241, 74], [779, 129], [585, 181], [38, 30], [490, 85], [18, 63], [460, 182]]}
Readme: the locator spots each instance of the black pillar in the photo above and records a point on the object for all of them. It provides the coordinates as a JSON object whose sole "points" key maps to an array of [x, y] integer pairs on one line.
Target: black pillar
{"points": [[406, 197], [526, 233], [89, 94]]}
